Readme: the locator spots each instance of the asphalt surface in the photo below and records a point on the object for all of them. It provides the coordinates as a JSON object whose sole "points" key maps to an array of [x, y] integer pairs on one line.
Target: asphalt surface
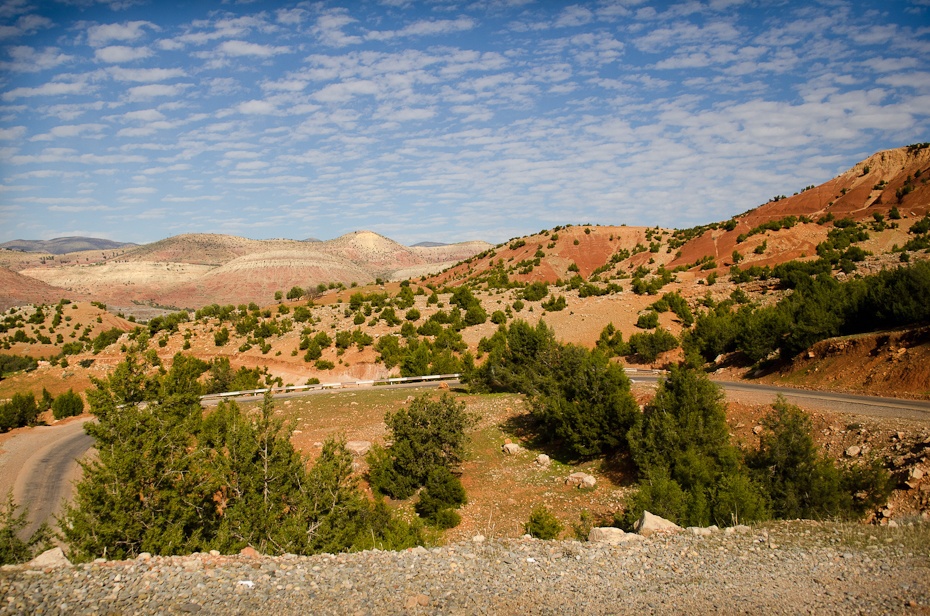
{"points": [[40, 466], [873, 406]]}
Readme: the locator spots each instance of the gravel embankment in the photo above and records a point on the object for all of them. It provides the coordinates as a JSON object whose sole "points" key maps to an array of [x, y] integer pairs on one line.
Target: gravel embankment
{"points": [[781, 569]]}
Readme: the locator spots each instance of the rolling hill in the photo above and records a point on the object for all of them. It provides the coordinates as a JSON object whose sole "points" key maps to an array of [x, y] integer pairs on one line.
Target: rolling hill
{"points": [[193, 270]]}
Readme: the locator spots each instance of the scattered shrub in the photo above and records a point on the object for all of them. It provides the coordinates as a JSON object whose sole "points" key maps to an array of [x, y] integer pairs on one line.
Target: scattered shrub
{"points": [[542, 524]]}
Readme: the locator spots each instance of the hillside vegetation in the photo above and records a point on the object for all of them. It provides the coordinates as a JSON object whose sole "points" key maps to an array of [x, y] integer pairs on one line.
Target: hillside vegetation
{"points": [[550, 318]]}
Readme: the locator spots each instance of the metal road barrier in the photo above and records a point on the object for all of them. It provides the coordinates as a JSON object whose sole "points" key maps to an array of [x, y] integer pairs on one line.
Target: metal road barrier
{"points": [[339, 385]]}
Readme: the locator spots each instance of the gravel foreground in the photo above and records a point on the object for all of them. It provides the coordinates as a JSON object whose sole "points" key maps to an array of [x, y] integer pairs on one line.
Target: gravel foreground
{"points": [[788, 568]]}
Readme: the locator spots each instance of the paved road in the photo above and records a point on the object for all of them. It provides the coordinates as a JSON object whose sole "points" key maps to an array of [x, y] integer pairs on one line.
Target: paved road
{"points": [[39, 464], [873, 406]]}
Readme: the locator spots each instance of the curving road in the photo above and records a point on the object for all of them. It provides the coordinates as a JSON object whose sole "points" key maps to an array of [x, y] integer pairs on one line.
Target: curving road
{"points": [[40, 465], [874, 406]]}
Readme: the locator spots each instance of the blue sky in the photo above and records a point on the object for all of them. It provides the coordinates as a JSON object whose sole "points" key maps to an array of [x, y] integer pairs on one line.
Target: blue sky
{"points": [[439, 120]]}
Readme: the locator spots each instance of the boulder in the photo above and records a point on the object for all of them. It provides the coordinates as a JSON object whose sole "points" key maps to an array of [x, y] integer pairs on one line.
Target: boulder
{"points": [[50, 559], [358, 448], [543, 460], [249, 552], [649, 523], [580, 480], [611, 536], [853, 450], [511, 449]]}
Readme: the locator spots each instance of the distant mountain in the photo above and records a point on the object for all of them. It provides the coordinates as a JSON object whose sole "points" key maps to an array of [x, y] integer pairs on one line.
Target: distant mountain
{"points": [[64, 245], [194, 270], [427, 245]]}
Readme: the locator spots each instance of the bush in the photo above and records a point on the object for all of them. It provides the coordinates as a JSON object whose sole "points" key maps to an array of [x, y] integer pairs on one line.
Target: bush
{"points": [[14, 363], [427, 434], [443, 492], [554, 304], [236, 480], [221, 337], [535, 291], [13, 549], [801, 482], [542, 524], [648, 346], [689, 471], [648, 320], [21, 410], [68, 404]]}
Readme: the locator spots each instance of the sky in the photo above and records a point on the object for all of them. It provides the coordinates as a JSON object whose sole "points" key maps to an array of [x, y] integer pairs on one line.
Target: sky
{"points": [[439, 120]]}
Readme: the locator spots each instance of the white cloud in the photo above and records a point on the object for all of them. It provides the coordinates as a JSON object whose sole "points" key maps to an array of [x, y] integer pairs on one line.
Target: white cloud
{"points": [[139, 190], [25, 59], [52, 88], [256, 107], [329, 25], [343, 92], [100, 35], [253, 165], [116, 54], [72, 130], [144, 115], [431, 27], [144, 93], [240, 154], [24, 26], [12, 133], [574, 16], [145, 75], [244, 48], [290, 17]]}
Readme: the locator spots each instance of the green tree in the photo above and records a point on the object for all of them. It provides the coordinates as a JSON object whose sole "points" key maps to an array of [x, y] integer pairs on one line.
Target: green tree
{"points": [[68, 404], [21, 410], [589, 408], [441, 495], [688, 468], [542, 524], [426, 434], [13, 549], [802, 482], [169, 481]]}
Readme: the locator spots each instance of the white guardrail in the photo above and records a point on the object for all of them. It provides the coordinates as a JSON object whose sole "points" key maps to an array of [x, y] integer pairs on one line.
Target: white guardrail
{"points": [[340, 385], [370, 383]]}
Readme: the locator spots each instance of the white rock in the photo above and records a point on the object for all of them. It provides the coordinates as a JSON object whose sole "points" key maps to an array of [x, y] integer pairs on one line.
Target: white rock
{"points": [[543, 460], [611, 536], [916, 473], [478, 539], [511, 449], [358, 448], [49, 559], [581, 480], [853, 450], [649, 523]]}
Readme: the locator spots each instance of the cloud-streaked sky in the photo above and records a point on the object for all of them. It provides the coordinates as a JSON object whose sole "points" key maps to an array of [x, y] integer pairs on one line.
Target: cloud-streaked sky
{"points": [[439, 120]]}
